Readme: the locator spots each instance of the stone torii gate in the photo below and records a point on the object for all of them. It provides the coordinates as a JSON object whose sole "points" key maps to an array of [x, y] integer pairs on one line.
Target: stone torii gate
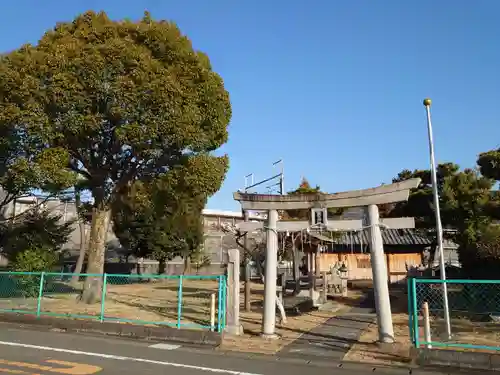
{"points": [[319, 203]]}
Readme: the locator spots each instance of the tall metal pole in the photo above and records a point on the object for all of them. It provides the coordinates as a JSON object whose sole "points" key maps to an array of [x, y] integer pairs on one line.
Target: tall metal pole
{"points": [[282, 176], [439, 228]]}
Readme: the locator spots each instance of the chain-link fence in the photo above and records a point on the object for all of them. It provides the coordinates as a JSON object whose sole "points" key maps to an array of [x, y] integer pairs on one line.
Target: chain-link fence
{"points": [[187, 301], [474, 313]]}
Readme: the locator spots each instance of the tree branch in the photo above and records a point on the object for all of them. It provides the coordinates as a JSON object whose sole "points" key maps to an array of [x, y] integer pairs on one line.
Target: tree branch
{"points": [[37, 205], [80, 171]]}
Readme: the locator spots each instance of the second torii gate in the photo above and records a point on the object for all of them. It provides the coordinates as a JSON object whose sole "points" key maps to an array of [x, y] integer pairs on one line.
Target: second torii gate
{"points": [[319, 203]]}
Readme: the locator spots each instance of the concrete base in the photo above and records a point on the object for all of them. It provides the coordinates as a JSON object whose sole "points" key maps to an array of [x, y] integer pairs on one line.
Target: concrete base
{"points": [[458, 359], [304, 293], [315, 297], [330, 306], [93, 327], [234, 330]]}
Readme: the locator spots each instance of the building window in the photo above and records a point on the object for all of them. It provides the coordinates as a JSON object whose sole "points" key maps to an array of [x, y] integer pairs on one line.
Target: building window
{"points": [[211, 223]]}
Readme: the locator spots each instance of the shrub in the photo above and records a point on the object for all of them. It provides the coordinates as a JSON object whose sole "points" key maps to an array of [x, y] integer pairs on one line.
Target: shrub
{"points": [[35, 260], [481, 258], [32, 260]]}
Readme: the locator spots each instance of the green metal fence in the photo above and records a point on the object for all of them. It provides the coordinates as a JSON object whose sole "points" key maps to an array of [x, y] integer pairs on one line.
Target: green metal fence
{"points": [[187, 301], [474, 307]]}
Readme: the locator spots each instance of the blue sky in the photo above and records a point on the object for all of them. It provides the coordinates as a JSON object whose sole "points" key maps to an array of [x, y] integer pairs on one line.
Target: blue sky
{"points": [[332, 87]]}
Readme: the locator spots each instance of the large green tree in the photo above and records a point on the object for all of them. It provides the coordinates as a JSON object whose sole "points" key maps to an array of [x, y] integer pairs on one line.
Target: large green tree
{"points": [[116, 102], [23, 166], [420, 202], [467, 202], [466, 197], [489, 166]]}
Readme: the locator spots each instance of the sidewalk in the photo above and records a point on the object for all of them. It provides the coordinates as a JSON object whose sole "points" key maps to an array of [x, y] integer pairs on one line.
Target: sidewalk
{"points": [[299, 326], [335, 337]]}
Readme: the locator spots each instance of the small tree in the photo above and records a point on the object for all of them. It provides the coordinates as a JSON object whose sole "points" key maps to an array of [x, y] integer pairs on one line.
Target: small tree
{"points": [[481, 259], [37, 230], [33, 243], [200, 259], [163, 218]]}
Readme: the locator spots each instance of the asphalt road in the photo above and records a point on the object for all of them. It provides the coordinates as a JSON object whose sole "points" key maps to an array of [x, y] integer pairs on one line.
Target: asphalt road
{"points": [[25, 351]]}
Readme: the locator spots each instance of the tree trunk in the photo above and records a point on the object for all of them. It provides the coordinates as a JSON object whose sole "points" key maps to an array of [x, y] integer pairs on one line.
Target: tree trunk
{"points": [[83, 242], [187, 265], [92, 287], [162, 267], [281, 309]]}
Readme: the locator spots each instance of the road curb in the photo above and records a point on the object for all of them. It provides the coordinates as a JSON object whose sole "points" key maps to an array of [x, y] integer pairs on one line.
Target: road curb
{"points": [[458, 359], [155, 333]]}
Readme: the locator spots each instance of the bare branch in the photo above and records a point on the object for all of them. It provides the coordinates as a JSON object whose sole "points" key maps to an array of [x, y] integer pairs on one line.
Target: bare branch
{"points": [[31, 208]]}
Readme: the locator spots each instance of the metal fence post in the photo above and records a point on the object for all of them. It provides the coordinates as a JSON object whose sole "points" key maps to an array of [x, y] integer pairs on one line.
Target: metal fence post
{"points": [[219, 304], [224, 301], [179, 303], [40, 295], [103, 296], [410, 308], [415, 311]]}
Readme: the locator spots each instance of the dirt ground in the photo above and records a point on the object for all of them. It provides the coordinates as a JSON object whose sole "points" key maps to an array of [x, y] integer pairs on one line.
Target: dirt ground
{"points": [[152, 302], [369, 351], [155, 302]]}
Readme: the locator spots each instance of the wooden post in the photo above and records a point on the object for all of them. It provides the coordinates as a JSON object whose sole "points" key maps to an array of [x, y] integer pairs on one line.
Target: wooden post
{"points": [[427, 324], [212, 312]]}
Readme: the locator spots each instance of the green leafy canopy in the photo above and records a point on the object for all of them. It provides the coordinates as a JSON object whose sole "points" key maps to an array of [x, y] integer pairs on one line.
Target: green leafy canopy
{"points": [[115, 101]]}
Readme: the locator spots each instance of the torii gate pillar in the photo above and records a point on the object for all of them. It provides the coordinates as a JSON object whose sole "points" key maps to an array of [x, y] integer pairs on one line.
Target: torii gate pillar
{"points": [[380, 281], [271, 273]]}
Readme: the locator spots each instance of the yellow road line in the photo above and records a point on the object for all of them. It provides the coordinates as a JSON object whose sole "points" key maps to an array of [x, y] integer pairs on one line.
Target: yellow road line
{"points": [[25, 365], [71, 368], [74, 368], [10, 371]]}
